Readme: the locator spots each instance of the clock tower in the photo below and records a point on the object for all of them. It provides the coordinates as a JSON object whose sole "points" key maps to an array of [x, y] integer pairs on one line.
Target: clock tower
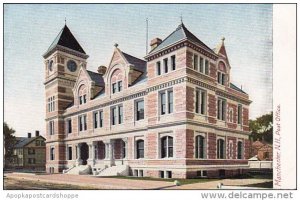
{"points": [[62, 62]]}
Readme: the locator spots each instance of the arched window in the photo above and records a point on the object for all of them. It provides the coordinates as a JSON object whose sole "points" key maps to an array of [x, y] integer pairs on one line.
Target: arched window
{"points": [[167, 147], [140, 149], [220, 149], [240, 150], [200, 147]]}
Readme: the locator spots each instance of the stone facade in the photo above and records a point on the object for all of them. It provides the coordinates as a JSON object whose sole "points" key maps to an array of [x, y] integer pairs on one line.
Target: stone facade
{"points": [[101, 125]]}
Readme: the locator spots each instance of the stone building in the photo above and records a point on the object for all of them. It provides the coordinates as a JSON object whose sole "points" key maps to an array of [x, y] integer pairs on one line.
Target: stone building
{"points": [[262, 150], [29, 153], [174, 113]]}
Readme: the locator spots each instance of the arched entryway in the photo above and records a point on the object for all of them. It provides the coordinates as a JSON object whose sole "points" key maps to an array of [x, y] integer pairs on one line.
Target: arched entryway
{"points": [[84, 153]]}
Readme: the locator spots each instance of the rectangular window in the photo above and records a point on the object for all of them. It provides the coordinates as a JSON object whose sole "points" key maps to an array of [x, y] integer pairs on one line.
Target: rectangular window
{"points": [[158, 68], [173, 62], [221, 78], [201, 64], [206, 67], [166, 65], [170, 101], [51, 104], [163, 103], [37, 143], [96, 119], [200, 102], [120, 109], [114, 115], [69, 126], [114, 88], [52, 153], [51, 127], [221, 109], [84, 98], [101, 119], [169, 174], [120, 86], [82, 123], [196, 62], [161, 174], [240, 114], [139, 110], [80, 100], [69, 153], [31, 151]]}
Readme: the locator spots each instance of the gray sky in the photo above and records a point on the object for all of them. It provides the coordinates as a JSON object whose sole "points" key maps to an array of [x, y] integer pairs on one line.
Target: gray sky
{"points": [[30, 29]]}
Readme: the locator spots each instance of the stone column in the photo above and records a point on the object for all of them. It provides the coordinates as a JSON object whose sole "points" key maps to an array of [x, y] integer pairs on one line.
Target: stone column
{"points": [[91, 159], [108, 153], [78, 159]]}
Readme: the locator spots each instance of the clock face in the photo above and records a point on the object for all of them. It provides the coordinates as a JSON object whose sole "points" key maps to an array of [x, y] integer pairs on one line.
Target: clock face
{"points": [[72, 66], [50, 65]]}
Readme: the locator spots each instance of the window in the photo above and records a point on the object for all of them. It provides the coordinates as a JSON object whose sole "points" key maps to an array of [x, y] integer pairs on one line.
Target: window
{"points": [[230, 149], [120, 114], [69, 126], [200, 102], [173, 62], [37, 143], [52, 153], [123, 149], [51, 104], [114, 115], [51, 127], [221, 109], [167, 147], [201, 173], [141, 173], [220, 149], [230, 115], [69, 153], [196, 62], [96, 119], [117, 115], [82, 123], [240, 114], [163, 103], [101, 119], [207, 67], [166, 65], [31, 160], [82, 99], [163, 108], [169, 174], [31, 151], [200, 147], [158, 68], [161, 174], [139, 149], [139, 110], [120, 86], [114, 88], [240, 150], [201, 64], [221, 78]]}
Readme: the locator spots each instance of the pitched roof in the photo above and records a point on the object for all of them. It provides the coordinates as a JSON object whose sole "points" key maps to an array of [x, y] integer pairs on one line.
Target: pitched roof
{"points": [[139, 64], [232, 86], [23, 141], [66, 39], [180, 33], [97, 78]]}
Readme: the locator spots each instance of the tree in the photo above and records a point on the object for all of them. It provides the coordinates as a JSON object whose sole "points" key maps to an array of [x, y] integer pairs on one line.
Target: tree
{"points": [[9, 140], [262, 128]]}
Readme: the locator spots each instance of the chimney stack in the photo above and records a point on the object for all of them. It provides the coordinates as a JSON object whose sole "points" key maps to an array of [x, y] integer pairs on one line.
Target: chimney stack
{"points": [[29, 135], [37, 133], [155, 42]]}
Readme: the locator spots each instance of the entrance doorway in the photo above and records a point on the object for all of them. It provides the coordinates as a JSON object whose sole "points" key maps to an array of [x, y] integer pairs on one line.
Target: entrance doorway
{"points": [[84, 152]]}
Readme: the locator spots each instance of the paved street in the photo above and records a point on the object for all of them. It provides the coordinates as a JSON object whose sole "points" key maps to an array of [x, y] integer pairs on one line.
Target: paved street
{"points": [[65, 181]]}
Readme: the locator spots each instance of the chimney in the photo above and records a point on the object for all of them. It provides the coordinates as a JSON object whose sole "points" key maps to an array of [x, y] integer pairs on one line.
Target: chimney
{"points": [[155, 42], [37, 133], [101, 70], [29, 135]]}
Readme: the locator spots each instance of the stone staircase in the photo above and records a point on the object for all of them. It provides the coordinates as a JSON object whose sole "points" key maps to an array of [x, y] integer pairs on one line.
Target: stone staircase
{"points": [[119, 170], [81, 169]]}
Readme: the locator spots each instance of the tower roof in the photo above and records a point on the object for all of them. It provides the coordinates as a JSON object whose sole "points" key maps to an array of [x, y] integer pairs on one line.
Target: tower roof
{"points": [[65, 38], [180, 33]]}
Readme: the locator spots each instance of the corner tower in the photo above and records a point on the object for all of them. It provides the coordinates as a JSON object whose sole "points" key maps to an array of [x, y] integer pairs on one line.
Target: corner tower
{"points": [[62, 62]]}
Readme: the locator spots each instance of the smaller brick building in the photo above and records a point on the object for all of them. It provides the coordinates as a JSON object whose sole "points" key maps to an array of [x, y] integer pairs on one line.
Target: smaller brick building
{"points": [[29, 153]]}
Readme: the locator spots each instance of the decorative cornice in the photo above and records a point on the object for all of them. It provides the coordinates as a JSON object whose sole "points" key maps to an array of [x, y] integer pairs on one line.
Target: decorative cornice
{"points": [[66, 50]]}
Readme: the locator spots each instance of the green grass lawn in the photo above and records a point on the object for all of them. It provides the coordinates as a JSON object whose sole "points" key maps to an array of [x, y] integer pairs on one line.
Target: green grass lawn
{"points": [[182, 181]]}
